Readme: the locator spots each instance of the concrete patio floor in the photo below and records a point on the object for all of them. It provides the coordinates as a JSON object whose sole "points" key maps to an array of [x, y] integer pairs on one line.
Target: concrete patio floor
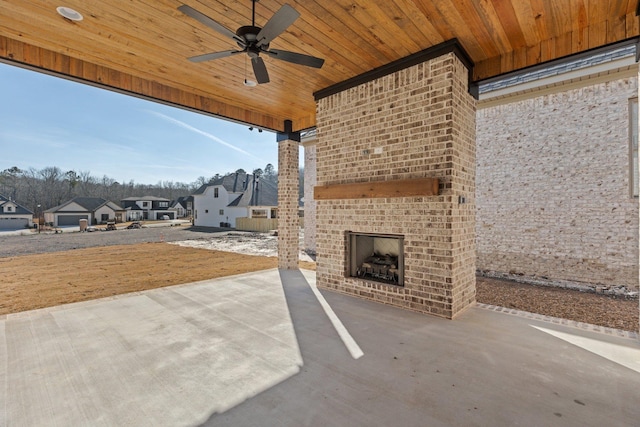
{"points": [[268, 349]]}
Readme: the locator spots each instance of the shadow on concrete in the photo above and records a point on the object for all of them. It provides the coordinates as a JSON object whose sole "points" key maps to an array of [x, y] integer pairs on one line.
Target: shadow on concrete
{"points": [[263, 349], [484, 368]]}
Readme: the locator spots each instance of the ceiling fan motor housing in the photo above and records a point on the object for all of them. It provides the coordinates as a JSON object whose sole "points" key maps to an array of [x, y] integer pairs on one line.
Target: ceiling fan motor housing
{"points": [[249, 33]]}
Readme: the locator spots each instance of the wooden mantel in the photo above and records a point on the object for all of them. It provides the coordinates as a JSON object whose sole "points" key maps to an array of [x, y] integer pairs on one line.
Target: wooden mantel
{"points": [[378, 189]]}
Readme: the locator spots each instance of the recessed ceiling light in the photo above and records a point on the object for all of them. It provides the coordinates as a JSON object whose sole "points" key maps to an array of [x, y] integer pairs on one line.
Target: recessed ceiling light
{"points": [[69, 13]]}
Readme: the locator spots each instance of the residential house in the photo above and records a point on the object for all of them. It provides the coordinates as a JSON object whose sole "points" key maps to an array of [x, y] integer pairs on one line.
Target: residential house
{"points": [[238, 195], [148, 208], [93, 209], [183, 206], [14, 216]]}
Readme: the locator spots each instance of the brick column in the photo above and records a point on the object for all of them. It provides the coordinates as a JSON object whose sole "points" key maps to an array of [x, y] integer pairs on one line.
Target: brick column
{"points": [[288, 222], [309, 202]]}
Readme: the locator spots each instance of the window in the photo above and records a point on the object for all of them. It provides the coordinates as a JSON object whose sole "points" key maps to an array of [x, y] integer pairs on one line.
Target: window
{"points": [[9, 208], [633, 146], [163, 204], [145, 204], [215, 192], [105, 217], [221, 211], [259, 213]]}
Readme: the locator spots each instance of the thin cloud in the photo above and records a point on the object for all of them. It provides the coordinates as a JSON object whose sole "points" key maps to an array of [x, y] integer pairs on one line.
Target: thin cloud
{"points": [[203, 133], [34, 138]]}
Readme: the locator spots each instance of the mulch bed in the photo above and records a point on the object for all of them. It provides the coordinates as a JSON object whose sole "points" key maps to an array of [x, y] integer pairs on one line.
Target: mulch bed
{"points": [[602, 310]]}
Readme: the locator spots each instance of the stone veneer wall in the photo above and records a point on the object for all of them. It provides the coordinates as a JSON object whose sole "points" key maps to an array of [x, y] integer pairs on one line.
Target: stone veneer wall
{"points": [[422, 121], [553, 198], [288, 221], [309, 203]]}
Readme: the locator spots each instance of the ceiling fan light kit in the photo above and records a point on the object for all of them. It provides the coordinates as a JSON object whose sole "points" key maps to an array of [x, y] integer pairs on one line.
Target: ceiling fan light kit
{"points": [[254, 40]]}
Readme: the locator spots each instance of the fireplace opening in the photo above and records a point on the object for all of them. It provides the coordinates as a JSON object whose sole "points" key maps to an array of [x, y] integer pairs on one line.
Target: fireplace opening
{"points": [[376, 257]]}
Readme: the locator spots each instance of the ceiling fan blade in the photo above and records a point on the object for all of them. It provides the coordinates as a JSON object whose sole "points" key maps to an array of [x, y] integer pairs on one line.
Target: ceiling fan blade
{"points": [[295, 58], [260, 70], [204, 19], [214, 55], [279, 22]]}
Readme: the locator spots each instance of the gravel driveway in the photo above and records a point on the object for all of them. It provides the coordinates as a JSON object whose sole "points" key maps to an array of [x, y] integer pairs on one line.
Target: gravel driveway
{"points": [[14, 245]]}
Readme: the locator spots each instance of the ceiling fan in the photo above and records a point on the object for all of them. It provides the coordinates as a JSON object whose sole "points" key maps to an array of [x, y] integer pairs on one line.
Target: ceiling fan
{"points": [[254, 40]]}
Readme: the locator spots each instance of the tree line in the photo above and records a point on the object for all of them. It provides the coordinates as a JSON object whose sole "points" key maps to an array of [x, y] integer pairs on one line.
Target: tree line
{"points": [[51, 186]]}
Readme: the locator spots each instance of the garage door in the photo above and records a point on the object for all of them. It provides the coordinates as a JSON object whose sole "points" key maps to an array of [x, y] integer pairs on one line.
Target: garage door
{"points": [[13, 223], [71, 219], [160, 215]]}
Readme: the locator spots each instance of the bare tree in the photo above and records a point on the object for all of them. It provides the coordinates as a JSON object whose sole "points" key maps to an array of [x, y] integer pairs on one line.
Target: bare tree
{"points": [[200, 181], [169, 188], [53, 192], [50, 187]]}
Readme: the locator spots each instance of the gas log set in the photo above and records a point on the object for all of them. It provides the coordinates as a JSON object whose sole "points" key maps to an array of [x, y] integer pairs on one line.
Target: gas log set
{"points": [[380, 267]]}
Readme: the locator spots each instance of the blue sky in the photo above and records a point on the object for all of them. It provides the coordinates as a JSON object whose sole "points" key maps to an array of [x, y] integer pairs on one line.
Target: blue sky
{"points": [[49, 121]]}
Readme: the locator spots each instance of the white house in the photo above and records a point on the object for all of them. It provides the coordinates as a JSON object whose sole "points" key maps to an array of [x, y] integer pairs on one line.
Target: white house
{"points": [[183, 206], [13, 216], [238, 195], [94, 209], [148, 207]]}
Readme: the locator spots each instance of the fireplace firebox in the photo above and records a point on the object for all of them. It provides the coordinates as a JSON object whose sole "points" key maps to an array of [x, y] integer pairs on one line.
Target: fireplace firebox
{"points": [[376, 257]]}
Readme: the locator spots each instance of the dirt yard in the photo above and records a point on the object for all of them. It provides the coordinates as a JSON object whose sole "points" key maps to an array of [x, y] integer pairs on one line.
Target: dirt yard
{"points": [[46, 280], [43, 271]]}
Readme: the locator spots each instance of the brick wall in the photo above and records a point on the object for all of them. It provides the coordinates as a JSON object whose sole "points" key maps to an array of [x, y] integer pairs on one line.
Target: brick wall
{"points": [[553, 198], [422, 121]]}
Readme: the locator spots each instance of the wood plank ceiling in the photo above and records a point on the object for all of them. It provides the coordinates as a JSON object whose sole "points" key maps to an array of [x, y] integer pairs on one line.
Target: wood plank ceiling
{"points": [[141, 46]]}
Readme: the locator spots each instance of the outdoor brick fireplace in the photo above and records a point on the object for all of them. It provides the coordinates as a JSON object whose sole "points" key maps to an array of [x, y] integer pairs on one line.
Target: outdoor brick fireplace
{"points": [[376, 257], [395, 188]]}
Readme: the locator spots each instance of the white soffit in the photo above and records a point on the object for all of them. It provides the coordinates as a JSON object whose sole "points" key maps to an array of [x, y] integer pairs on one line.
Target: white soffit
{"points": [[607, 71]]}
